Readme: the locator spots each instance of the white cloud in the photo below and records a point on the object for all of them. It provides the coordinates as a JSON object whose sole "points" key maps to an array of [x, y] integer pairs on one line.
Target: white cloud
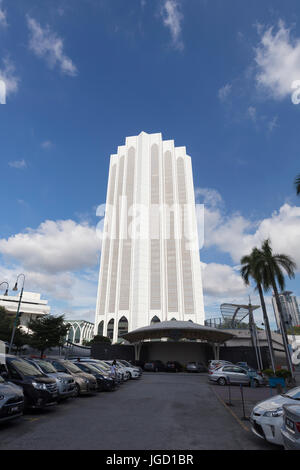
{"points": [[273, 123], [172, 18], [54, 247], [9, 77], [47, 45], [221, 280], [278, 60], [47, 144], [3, 16], [237, 235], [18, 164], [251, 112], [224, 92]]}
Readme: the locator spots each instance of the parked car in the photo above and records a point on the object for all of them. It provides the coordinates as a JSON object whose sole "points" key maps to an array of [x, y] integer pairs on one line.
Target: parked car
{"points": [[196, 367], [154, 366], [105, 368], [267, 416], [84, 383], [103, 383], [173, 366], [39, 390], [134, 372], [231, 374], [132, 366], [290, 430], [217, 363], [65, 382], [124, 374], [11, 400]]}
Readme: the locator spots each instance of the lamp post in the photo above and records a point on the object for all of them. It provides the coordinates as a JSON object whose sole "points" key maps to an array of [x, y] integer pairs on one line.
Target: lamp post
{"points": [[18, 311], [6, 291]]}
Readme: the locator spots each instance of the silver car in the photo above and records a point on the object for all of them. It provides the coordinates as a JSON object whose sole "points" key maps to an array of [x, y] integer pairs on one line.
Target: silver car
{"points": [[65, 382], [228, 374], [290, 430]]}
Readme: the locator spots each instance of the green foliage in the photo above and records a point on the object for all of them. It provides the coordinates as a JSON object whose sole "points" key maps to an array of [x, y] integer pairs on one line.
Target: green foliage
{"points": [[100, 339], [284, 373], [268, 372], [295, 330], [47, 332], [6, 326]]}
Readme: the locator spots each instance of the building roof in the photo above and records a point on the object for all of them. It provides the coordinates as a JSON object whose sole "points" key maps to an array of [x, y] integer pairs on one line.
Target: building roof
{"points": [[178, 330]]}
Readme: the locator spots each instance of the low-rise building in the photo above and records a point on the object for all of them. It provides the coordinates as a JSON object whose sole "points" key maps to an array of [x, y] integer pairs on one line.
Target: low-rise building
{"points": [[81, 331], [32, 306]]}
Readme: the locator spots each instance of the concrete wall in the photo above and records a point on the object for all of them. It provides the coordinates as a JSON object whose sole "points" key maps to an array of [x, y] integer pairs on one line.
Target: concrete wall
{"points": [[182, 352]]}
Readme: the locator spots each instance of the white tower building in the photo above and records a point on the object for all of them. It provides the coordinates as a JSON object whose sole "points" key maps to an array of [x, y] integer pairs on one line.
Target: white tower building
{"points": [[150, 265]]}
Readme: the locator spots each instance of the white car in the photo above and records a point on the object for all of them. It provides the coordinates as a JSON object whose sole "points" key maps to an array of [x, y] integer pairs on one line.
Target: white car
{"points": [[266, 417], [121, 369], [134, 372]]}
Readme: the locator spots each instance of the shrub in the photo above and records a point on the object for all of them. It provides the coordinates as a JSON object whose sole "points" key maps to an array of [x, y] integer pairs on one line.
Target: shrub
{"points": [[285, 374], [268, 372]]}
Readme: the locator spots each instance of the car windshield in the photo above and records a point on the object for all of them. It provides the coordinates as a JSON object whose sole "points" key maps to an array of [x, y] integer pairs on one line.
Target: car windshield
{"points": [[100, 369], [91, 367], [294, 394], [71, 367], [46, 367], [126, 363], [25, 368]]}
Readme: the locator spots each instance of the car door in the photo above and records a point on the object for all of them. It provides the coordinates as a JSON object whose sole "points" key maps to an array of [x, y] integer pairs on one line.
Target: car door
{"points": [[14, 375], [240, 375], [229, 373]]}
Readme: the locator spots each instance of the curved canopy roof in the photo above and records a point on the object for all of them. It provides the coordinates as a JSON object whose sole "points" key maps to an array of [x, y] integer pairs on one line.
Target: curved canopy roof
{"points": [[178, 330]]}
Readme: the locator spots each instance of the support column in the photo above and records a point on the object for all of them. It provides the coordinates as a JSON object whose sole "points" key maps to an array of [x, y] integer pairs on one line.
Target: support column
{"points": [[137, 350], [216, 350]]}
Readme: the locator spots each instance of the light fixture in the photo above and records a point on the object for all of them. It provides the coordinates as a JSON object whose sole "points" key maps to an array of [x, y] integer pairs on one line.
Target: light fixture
{"points": [[16, 287]]}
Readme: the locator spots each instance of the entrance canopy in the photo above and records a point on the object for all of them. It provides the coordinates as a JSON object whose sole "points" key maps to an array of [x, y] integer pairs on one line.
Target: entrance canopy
{"points": [[177, 330]]}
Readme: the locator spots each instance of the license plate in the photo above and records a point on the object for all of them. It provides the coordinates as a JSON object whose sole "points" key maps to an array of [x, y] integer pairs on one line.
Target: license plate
{"points": [[14, 409]]}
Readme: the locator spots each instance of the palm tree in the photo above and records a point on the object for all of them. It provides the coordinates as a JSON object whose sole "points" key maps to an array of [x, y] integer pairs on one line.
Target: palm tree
{"points": [[297, 185], [272, 273], [251, 269]]}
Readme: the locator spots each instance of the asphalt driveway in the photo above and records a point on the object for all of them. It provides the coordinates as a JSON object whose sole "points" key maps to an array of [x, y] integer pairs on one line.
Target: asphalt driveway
{"points": [[159, 411]]}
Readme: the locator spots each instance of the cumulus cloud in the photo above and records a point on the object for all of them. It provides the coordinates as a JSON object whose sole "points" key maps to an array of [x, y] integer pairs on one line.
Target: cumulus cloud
{"points": [[3, 17], [54, 247], [172, 19], [49, 46], [277, 57], [18, 164], [221, 280], [224, 92], [9, 77], [237, 235]]}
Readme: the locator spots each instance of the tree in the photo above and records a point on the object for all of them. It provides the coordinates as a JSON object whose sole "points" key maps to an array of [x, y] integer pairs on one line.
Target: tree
{"points": [[297, 185], [47, 332], [100, 339], [272, 273], [6, 326], [251, 268]]}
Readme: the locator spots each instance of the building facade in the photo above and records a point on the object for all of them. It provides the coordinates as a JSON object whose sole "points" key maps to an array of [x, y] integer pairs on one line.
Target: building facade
{"points": [[32, 306], [150, 265], [80, 331], [290, 309]]}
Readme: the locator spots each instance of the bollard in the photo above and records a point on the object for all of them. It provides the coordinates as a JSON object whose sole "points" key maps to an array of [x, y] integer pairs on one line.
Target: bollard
{"points": [[229, 392], [244, 418]]}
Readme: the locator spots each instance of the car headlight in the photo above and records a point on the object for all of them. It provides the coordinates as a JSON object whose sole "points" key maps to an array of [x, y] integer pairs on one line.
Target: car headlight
{"points": [[274, 413], [39, 386]]}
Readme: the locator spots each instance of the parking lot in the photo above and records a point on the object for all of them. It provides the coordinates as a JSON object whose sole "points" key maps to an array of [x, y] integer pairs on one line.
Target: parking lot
{"points": [[159, 411]]}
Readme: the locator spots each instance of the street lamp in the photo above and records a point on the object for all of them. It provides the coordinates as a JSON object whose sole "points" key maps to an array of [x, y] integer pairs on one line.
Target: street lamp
{"points": [[5, 282], [18, 311]]}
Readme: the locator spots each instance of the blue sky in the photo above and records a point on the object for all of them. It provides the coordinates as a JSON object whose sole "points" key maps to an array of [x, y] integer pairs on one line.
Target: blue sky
{"points": [[81, 75]]}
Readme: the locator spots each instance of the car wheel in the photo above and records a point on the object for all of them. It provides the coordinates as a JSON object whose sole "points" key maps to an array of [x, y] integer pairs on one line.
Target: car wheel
{"points": [[222, 381], [256, 383], [77, 390], [156, 369]]}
